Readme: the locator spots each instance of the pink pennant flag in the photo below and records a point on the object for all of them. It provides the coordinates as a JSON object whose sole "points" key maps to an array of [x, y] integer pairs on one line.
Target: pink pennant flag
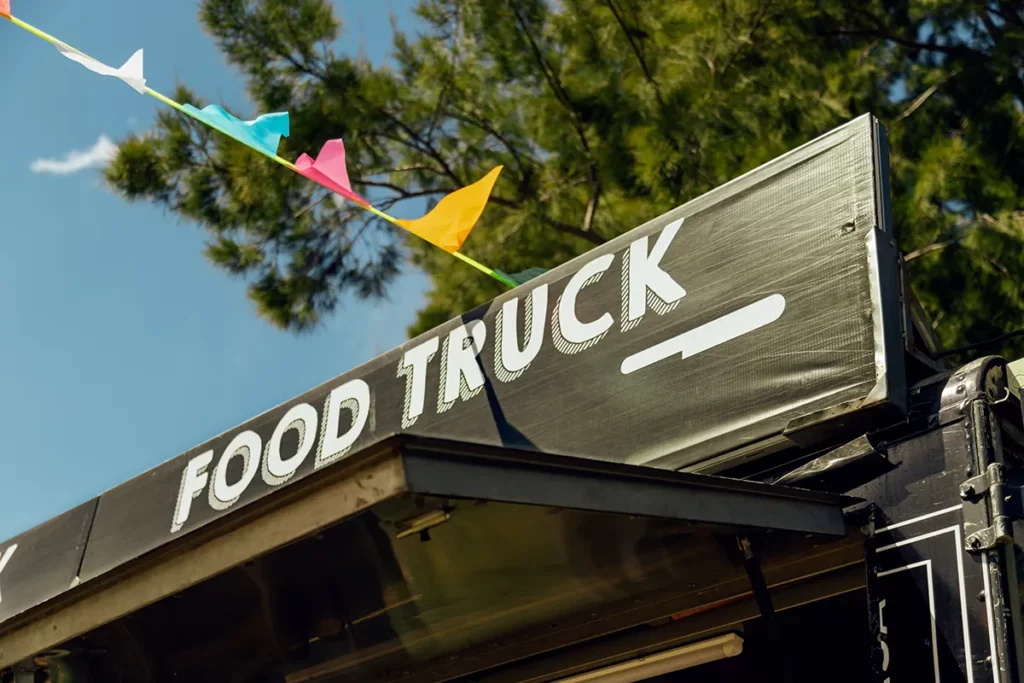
{"points": [[329, 170], [5, 8]]}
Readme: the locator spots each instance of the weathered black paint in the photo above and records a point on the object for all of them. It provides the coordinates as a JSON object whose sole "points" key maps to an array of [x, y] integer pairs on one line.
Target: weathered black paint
{"points": [[929, 602]]}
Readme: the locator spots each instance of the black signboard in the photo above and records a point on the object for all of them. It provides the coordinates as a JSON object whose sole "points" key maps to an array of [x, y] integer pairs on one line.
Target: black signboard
{"points": [[708, 329], [43, 562]]}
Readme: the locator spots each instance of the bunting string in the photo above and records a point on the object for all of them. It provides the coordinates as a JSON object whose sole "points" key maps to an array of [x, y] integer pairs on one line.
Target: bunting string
{"points": [[446, 226]]}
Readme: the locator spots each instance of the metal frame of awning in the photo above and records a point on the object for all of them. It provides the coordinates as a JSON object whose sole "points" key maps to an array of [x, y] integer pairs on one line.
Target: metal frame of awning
{"points": [[442, 468], [404, 466]]}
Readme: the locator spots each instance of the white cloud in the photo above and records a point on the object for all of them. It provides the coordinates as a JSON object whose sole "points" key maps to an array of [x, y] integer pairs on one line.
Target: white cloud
{"points": [[77, 160]]}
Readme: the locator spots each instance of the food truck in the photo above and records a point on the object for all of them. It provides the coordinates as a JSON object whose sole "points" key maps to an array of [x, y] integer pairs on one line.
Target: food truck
{"points": [[723, 446]]}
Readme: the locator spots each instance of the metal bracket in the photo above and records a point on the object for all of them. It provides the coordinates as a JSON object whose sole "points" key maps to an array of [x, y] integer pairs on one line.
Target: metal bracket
{"points": [[763, 598]]}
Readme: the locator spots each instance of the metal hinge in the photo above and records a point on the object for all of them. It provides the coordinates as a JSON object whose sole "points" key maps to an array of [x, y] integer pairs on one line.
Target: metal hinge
{"points": [[988, 492], [990, 537], [977, 486]]}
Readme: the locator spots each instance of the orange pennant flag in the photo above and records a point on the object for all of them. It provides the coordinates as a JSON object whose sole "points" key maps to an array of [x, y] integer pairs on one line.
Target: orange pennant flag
{"points": [[450, 222], [5, 8]]}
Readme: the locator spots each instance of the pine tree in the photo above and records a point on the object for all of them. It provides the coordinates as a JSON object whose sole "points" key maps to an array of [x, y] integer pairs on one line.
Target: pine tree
{"points": [[605, 113]]}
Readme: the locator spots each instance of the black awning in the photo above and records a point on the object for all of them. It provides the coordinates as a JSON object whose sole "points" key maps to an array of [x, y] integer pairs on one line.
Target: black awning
{"points": [[392, 515]]}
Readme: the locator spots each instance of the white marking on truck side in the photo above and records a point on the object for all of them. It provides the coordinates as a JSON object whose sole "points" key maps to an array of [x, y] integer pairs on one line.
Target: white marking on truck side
{"points": [[709, 335], [4, 559], [927, 564]]}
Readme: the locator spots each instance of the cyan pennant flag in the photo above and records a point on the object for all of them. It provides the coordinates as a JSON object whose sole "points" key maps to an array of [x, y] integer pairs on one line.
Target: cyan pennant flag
{"points": [[264, 134]]}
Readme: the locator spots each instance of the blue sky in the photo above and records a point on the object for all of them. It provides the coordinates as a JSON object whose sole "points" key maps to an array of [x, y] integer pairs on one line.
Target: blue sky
{"points": [[120, 346]]}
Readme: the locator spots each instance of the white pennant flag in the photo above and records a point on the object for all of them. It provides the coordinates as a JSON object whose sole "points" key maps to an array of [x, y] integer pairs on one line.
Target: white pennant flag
{"points": [[130, 73]]}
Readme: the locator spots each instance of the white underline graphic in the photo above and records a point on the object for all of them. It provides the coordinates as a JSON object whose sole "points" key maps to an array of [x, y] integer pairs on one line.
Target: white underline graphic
{"points": [[718, 331]]}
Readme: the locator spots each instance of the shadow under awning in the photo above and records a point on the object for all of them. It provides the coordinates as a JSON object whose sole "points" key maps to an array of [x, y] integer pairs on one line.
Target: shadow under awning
{"points": [[424, 552]]}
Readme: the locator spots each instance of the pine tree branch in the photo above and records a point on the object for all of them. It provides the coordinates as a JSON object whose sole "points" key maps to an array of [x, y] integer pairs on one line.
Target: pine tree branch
{"points": [[404, 142], [1010, 12], [563, 98], [426, 148], [998, 34], [484, 126], [938, 246], [978, 345], [636, 50], [240, 23], [755, 23], [402, 193], [899, 40], [878, 31], [573, 231], [1011, 139], [290, 28], [407, 169], [557, 225], [916, 104], [588, 217], [549, 75]]}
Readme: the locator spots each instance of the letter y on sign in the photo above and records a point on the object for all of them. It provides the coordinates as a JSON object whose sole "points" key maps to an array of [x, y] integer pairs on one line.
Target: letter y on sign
{"points": [[4, 559]]}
